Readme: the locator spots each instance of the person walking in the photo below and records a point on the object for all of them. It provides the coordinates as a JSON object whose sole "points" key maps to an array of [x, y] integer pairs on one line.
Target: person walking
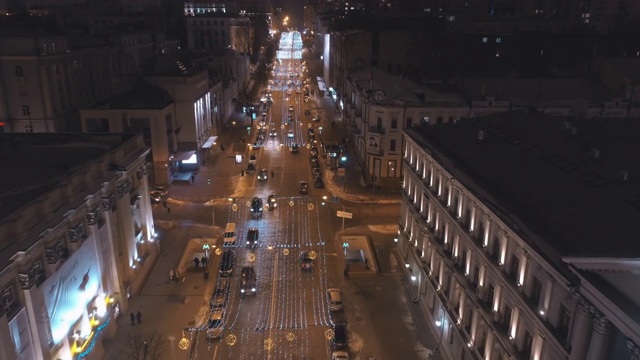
{"points": [[133, 319], [242, 172], [196, 262], [139, 317], [272, 174], [203, 260]]}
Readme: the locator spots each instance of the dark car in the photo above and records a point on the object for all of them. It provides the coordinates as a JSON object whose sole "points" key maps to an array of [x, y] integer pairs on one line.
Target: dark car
{"points": [[263, 175], [339, 340], [252, 237], [304, 187], [248, 283], [256, 208], [219, 298], [318, 183], [317, 173], [227, 261], [306, 262], [295, 147], [313, 156], [315, 164], [307, 112], [251, 168], [272, 202]]}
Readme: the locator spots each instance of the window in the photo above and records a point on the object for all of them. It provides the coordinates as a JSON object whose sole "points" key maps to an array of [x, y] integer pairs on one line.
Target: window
{"points": [[19, 72], [25, 110], [564, 321], [394, 123], [425, 120], [498, 40], [536, 290], [439, 120], [392, 145], [484, 39]]}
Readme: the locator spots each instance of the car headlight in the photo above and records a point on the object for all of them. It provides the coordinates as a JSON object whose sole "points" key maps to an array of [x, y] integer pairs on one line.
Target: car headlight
{"points": [[241, 290], [253, 289]]}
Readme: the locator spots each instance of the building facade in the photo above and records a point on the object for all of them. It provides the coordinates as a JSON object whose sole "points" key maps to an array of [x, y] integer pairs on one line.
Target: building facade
{"points": [[215, 33], [482, 247], [72, 254]]}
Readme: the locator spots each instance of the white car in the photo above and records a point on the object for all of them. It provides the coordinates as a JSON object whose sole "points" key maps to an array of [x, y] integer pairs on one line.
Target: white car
{"points": [[290, 134], [290, 107], [335, 299], [339, 355]]}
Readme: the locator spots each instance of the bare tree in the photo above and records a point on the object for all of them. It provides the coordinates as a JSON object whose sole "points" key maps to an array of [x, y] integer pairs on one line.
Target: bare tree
{"points": [[144, 345]]}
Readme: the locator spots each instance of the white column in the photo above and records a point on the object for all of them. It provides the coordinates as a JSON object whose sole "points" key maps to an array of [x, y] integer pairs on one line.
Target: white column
{"points": [[581, 332], [599, 338]]}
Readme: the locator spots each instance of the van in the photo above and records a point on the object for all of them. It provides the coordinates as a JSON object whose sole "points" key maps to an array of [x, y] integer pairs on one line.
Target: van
{"points": [[229, 235]]}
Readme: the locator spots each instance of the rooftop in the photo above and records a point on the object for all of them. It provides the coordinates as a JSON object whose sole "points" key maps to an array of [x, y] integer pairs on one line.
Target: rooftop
{"points": [[535, 91], [402, 89], [569, 188], [38, 162], [165, 65], [141, 97]]}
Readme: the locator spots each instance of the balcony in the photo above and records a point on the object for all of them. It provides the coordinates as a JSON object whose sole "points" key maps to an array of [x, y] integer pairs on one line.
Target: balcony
{"points": [[377, 130]]}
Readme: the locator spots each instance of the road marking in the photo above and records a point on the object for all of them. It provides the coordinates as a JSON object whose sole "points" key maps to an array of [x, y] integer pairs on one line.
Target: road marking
{"points": [[273, 301]]}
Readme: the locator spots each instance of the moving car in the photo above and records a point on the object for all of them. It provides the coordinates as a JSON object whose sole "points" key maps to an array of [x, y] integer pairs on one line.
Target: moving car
{"points": [[295, 147], [290, 134], [335, 299], [273, 133], [215, 325], [252, 237], [307, 112], [248, 280], [251, 168], [272, 202], [304, 187], [256, 208], [263, 175], [316, 118], [339, 340], [290, 107], [227, 261], [306, 262]]}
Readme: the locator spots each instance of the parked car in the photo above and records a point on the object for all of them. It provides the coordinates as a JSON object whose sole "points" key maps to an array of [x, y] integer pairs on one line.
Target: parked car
{"points": [[215, 325], [318, 183], [252, 237], [227, 261], [290, 134], [251, 168], [317, 173], [256, 208], [335, 299], [263, 175], [307, 112], [295, 147], [290, 107], [306, 262], [304, 187], [253, 159], [157, 196], [339, 355], [339, 340], [219, 298]]}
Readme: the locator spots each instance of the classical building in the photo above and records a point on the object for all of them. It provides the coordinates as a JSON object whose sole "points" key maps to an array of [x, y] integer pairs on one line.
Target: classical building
{"points": [[517, 236], [214, 32], [46, 77], [378, 106], [75, 240]]}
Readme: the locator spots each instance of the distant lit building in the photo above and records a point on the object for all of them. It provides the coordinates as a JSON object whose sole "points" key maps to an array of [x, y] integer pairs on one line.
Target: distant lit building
{"points": [[214, 33], [377, 107], [76, 240], [517, 236]]}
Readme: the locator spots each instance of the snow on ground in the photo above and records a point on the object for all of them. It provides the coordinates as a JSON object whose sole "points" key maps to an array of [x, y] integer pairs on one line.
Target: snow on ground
{"points": [[336, 188], [384, 229]]}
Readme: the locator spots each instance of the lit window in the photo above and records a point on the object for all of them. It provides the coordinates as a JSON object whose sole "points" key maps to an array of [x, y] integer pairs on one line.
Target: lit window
{"points": [[484, 39], [498, 40]]}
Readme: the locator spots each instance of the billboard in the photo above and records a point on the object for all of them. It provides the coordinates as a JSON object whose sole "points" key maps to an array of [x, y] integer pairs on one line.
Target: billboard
{"points": [[68, 291], [373, 143]]}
